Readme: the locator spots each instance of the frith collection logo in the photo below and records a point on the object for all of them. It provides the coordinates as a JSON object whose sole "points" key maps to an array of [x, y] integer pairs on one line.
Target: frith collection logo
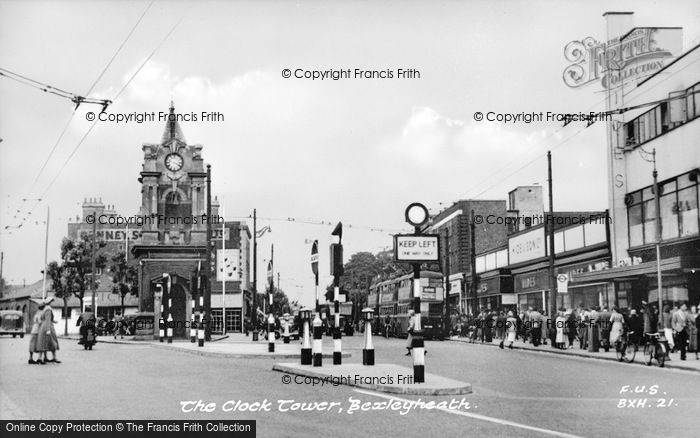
{"points": [[638, 54]]}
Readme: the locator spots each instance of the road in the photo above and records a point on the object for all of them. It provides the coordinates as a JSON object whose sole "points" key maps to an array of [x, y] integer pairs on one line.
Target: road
{"points": [[516, 393]]}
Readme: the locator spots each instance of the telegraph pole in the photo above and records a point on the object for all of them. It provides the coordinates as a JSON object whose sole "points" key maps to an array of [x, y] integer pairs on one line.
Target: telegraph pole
{"points": [[657, 207], [94, 266], [472, 262], [207, 291], [255, 276], [448, 285], [550, 225]]}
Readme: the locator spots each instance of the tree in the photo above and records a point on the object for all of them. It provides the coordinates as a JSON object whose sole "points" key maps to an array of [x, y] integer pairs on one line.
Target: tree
{"points": [[77, 258], [125, 278], [280, 302], [361, 271]]}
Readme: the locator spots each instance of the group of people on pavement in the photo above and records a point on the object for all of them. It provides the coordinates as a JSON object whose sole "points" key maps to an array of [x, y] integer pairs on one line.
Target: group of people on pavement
{"points": [[43, 339], [594, 327]]}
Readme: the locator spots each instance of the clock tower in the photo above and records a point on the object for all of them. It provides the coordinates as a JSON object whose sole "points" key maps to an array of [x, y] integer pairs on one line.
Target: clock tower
{"points": [[173, 234], [172, 248]]}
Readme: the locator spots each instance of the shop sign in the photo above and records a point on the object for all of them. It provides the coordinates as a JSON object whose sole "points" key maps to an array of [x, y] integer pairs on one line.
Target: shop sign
{"points": [[527, 246]]}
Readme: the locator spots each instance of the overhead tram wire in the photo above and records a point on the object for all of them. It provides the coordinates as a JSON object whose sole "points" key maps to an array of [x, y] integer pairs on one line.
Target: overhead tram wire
{"points": [[324, 223], [92, 87], [618, 111], [77, 146]]}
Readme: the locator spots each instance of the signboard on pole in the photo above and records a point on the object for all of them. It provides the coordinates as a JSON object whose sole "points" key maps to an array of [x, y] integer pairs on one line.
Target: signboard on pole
{"points": [[314, 258], [563, 283], [227, 264], [424, 248], [270, 276]]}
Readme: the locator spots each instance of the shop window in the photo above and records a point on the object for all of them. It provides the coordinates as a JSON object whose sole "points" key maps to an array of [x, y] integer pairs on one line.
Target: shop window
{"points": [[678, 211], [649, 217], [688, 211], [669, 215]]}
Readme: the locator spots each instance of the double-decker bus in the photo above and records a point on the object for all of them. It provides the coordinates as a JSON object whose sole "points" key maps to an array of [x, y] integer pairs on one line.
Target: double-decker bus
{"points": [[392, 299]]}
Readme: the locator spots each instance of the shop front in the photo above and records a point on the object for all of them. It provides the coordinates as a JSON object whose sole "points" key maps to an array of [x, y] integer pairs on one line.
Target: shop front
{"points": [[634, 281], [531, 289], [587, 294], [492, 288]]}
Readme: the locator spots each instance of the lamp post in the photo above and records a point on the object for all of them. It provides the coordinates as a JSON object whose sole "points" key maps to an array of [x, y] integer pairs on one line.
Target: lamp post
{"points": [[657, 207], [256, 233]]}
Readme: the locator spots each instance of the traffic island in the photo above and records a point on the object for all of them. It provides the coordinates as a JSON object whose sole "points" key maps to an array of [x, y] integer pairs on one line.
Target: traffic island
{"points": [[389, 378], [237, 350]]}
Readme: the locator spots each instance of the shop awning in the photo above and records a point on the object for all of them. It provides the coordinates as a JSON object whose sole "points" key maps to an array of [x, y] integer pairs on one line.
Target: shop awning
{"points": [[669, 265]]}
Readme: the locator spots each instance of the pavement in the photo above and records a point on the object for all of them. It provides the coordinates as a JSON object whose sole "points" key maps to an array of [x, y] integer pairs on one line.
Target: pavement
{"points": [[690, 364], [234, 346], [390, 378]]}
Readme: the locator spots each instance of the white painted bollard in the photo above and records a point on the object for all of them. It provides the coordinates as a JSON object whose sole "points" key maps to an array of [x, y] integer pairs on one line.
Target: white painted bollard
{"points": [[368, 351], [271, 334], [193, 324], [318, 342]]}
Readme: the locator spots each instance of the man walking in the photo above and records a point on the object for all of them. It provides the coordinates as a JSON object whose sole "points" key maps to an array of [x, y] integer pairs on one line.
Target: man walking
{"points": [[679, 322], [535, 326]]}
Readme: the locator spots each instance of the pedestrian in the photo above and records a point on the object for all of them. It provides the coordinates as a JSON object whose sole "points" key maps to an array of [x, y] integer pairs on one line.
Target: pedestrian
{"points": [[570, 329], [511, 328], [617, 320], [583, 323], [696, 338], [535, 326], [47, 339], [679, 323], [593, 330], [560, 326], [411, 328], [488, 326], [33, 346], [545, 324], [635, 327], [666, 325]]}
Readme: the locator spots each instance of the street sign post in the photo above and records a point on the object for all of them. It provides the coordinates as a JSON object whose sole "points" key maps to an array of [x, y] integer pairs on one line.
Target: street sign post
{"points": [[314, 269], [417, 248]]}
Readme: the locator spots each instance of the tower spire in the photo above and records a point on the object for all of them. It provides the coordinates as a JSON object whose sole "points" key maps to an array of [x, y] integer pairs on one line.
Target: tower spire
{"points": [[172, 127]]}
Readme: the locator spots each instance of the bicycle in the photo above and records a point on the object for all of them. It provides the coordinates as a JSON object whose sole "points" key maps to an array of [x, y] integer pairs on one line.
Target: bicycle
{"points": [[625, 349], [655, 348]]}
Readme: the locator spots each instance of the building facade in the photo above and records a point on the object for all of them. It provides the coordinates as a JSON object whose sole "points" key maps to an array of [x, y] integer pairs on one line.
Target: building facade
{"points": [[454, 227], [658, 130]]}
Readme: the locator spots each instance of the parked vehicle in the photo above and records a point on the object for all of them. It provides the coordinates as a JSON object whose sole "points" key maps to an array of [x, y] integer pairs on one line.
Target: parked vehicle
{"points": [[12, 323]]}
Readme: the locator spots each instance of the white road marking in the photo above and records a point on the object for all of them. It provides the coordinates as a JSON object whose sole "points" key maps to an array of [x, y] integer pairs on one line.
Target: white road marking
{"points": [[479, 417]]}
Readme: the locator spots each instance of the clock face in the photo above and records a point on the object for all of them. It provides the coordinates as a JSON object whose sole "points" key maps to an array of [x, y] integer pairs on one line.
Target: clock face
{"points": [[174, 162]]}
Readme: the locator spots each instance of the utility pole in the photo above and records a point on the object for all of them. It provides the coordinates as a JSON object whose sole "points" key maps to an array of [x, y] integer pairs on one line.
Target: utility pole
{"points": [[94, 266], [46, 256], [255, 276], [207, 292], [657, 207], [448, 286], [272, 277], [472, 262], [550, 228]]}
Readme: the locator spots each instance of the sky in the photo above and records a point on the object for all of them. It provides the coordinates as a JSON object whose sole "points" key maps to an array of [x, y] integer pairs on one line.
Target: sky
{"points": [[352, 150]]}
